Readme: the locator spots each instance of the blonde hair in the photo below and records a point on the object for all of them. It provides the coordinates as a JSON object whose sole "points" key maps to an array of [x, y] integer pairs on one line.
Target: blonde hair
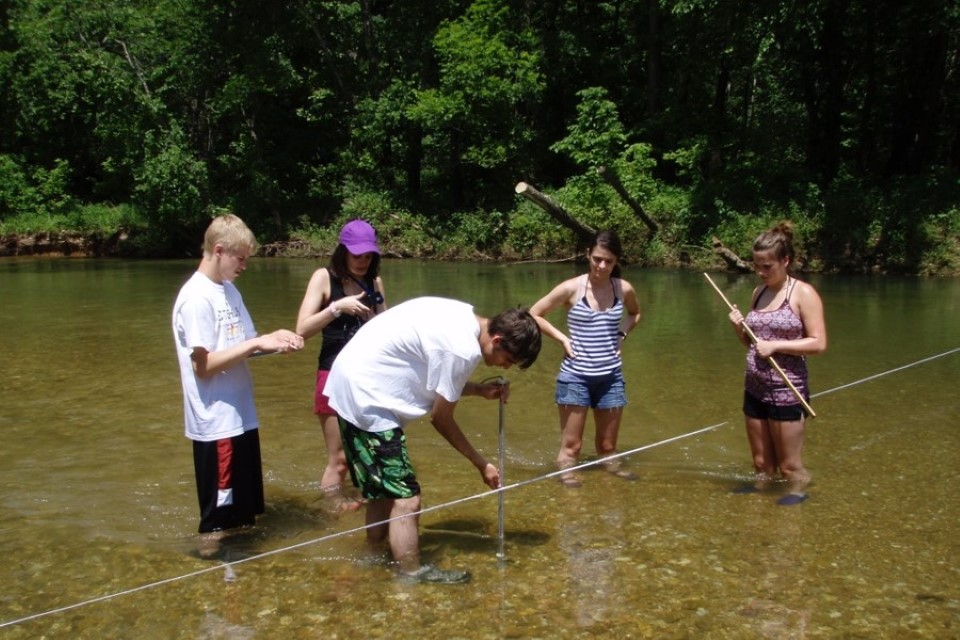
{"points": [[231, 233], [778, 239]]}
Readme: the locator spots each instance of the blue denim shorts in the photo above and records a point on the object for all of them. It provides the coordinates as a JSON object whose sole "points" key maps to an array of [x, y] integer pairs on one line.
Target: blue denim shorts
{"points": [[608, 392]]}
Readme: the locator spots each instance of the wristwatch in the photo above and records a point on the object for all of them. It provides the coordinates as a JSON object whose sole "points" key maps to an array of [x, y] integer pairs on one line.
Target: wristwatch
{"points": [[334, 310], [622, 334]]}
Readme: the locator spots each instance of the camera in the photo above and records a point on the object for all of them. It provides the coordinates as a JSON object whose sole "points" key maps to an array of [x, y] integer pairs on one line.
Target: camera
{"points": [[373, 298]]}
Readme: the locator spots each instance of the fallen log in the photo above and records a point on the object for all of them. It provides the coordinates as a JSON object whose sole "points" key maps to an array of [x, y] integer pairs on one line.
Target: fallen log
{"points": [[732, 259], [611, 178], [583, 232]]}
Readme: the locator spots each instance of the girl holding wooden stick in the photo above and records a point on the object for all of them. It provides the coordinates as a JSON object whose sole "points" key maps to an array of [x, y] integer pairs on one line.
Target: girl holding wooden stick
{"points": [[786, 319]]}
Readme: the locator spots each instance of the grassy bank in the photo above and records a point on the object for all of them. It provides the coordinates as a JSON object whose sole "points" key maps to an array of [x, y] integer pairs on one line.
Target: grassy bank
{"points": [[892, 242]]}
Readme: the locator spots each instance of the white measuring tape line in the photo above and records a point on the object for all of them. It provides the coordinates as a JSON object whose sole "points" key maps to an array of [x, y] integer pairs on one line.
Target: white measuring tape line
{"points": [[228, 566]]}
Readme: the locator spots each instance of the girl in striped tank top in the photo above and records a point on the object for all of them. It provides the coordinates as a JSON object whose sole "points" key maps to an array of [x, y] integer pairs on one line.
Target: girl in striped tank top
{"points": [[787, 318], [590, 374]]}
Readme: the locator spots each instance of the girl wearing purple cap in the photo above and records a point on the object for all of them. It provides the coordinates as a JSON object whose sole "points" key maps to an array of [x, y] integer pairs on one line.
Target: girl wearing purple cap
{"points": [[339, 299]]}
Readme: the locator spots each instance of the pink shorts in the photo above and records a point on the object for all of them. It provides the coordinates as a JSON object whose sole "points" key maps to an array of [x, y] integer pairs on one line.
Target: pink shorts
{"points": [[321, 406]]}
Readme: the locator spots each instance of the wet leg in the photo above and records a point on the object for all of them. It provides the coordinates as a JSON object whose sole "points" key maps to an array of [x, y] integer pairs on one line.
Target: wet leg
{"points": [[608, 429], [404, 534], [762, 448], [572, 421], [788, 440], [335, 473]]}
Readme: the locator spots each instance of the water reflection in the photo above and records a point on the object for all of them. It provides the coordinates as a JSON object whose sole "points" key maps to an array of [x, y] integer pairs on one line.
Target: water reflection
{"points": [[98, 492]]}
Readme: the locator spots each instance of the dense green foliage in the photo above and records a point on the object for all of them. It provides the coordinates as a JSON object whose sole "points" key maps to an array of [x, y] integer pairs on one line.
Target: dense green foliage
{"points": [[718, 118]]}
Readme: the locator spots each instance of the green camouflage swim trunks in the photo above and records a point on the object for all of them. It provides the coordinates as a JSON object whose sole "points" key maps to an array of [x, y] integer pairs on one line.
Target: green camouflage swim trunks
{"points": [[378, 462]]}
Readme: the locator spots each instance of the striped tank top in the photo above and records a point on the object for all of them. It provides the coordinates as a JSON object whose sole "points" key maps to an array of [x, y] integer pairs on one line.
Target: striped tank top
{"points": [[593, 336], [761, 380]]}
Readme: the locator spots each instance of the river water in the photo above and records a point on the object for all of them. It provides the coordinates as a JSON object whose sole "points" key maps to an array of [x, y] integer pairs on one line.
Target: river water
{"points": [[99, 509]]}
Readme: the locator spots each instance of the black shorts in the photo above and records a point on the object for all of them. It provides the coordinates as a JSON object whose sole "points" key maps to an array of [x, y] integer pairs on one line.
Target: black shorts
{"points": [[754, 408], [229, 481]]}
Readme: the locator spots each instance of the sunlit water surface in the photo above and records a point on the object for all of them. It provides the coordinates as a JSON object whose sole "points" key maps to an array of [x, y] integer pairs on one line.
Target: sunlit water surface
{"points": [[100, 510]]}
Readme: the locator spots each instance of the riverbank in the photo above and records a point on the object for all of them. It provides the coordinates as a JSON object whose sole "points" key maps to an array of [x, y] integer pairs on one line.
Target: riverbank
{"points": [[127, 243], [66, 244]]}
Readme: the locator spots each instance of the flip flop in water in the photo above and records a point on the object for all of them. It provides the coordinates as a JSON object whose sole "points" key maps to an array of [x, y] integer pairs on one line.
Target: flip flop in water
{"points": [[791, 499], [745, 489], [625, 474], [616, 469], [570, 481]]}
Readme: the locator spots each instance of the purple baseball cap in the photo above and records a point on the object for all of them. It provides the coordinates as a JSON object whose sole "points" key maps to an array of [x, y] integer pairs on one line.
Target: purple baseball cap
{"points": [[359, 238]]}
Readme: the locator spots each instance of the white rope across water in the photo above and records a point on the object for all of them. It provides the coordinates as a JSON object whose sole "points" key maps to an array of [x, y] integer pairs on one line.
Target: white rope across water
{"points": [[228, 566], [880, 375]]}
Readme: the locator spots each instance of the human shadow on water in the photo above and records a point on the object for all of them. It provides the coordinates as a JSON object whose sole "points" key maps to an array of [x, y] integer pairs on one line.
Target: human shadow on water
{"points": [[298, 518], [736, 480], [476, 535], [291, 515], [286, 517]]}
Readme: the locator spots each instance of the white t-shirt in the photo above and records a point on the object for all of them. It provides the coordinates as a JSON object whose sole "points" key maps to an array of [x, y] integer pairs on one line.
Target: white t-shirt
{"points": [[392, 370], [213, 316]]}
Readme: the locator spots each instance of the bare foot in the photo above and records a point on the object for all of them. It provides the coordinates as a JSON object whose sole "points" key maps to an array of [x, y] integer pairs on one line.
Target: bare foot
{"points": [[208, 544]]}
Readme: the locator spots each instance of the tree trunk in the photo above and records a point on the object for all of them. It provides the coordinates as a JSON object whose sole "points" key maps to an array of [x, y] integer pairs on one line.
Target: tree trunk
{"points": [[825, 75], [611, 178], [654, 59], [583, 232], [915, 120], [718, 127]]}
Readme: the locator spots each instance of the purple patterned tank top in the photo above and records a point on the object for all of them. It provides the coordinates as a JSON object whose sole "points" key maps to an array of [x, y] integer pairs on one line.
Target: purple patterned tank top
{"points": [[761, 380]]}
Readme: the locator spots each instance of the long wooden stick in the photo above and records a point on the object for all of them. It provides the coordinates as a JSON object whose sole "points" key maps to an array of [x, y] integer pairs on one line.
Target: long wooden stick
{"points": [[753, 338]]}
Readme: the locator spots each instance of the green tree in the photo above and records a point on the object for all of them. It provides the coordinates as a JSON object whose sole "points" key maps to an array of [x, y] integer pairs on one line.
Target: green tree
{"points": [[597, 136], [475, 124]]}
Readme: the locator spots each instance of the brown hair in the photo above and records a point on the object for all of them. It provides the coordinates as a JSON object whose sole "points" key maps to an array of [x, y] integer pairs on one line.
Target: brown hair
{"points": [[609, 240], [338, 265], [777, 239], [520, 335]]}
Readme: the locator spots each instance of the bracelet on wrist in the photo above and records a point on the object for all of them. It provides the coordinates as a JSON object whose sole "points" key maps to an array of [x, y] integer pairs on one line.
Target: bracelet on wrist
{"points": [[622, 334], [334, 310]]}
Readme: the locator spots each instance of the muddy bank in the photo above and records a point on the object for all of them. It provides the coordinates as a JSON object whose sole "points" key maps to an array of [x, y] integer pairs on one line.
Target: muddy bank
{"points": [[67, 243]]}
